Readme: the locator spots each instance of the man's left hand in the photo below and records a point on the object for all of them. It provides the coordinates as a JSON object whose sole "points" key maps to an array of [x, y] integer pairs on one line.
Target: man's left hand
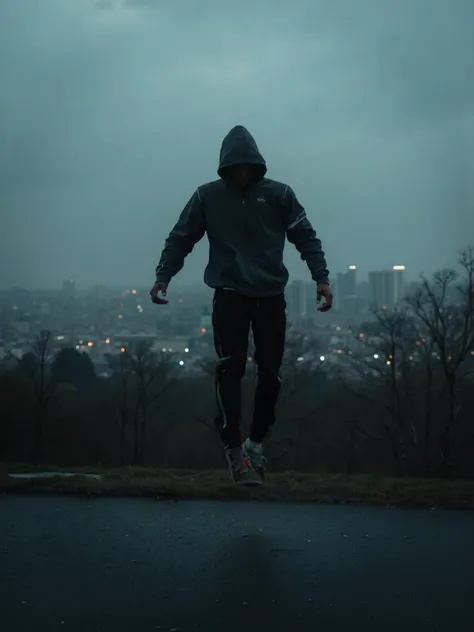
{"points": [[324, 291]]}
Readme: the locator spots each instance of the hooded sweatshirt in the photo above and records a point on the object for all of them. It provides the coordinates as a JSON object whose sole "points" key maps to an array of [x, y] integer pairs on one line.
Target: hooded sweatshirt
{"points": [[246, 228]]}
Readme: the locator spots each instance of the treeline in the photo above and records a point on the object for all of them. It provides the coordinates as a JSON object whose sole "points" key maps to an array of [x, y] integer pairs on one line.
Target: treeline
{"points": [[400, 402]]}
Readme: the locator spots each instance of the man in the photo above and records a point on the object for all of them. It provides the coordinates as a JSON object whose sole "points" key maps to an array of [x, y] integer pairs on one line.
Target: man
{"points": [[246, 217]]}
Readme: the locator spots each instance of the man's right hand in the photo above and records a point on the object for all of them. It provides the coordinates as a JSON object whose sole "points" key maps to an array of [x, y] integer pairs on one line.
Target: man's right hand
{"points": [[160, 287], [324, 291]]}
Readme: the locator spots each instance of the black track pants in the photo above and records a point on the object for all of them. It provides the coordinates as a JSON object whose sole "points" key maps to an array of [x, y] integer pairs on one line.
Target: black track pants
{"points": [[233, 315]]}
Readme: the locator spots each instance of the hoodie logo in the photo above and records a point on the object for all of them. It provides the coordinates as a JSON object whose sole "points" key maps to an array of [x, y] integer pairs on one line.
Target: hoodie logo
{"points": [[261, 200]]}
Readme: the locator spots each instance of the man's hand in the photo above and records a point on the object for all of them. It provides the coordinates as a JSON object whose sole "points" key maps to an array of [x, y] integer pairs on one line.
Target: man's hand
{"points": [[324, 291], [160, 287]]}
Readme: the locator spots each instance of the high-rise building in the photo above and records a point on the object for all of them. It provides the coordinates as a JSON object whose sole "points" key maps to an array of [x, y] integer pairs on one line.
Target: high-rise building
{"points": [[399, 283], [387, 287], [296, 297], [346, 289], [310, 294]]}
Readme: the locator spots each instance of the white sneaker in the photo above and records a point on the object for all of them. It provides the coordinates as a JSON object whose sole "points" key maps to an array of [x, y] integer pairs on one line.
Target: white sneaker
{"points": [[253, 451], [241, 471]]}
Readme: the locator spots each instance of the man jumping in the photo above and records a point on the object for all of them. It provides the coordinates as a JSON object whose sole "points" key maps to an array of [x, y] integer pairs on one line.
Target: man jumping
{"points": [[246, 217]]}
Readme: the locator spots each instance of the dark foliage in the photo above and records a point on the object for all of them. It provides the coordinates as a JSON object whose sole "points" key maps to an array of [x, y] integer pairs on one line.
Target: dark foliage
{"points": [[402, 404]]}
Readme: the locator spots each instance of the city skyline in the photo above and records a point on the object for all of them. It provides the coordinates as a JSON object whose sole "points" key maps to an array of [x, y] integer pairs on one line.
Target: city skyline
{"points": [[177, 283]]}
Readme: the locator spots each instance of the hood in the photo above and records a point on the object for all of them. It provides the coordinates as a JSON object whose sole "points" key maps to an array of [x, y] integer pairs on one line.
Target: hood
{"points": [[239, 147]]}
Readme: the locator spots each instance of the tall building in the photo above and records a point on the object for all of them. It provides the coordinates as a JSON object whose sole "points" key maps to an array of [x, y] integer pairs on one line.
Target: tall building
{"points": [[296, 298], [387, 286], [310, 302], [346, 290], [399, 282]]}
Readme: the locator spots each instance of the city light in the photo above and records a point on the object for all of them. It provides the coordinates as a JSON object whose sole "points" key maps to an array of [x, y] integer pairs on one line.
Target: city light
{"points": [[134, 291], [300, 359], [122, 349], [376, 356], [249, 358], [107, 341], [90, 344], [81, 342], [139, 306], [388, 363], [186, 350], [399, 267], [352, 267], [203, 330], [181, 363], [322, 358], [120, 316]]}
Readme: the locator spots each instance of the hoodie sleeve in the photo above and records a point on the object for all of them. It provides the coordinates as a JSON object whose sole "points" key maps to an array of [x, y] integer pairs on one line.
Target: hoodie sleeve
{"points": [[303, 236], [188, 230]]}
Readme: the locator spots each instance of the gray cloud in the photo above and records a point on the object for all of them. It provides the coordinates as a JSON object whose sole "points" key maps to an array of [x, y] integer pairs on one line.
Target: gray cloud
{"points": [[112, 112]]}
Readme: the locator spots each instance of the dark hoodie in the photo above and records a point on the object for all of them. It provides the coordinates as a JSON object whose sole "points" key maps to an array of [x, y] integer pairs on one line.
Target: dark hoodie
{"points": [[246, 228]]}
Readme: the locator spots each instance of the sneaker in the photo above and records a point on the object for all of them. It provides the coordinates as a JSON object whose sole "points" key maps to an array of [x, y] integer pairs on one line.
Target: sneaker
{"points": [[241, 471], [253, 452]]}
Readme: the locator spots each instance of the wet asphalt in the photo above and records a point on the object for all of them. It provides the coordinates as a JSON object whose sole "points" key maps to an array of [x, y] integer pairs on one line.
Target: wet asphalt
{"points": [[143, 565]]}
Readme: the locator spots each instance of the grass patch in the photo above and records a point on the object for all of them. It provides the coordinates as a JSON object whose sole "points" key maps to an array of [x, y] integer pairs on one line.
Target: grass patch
{"points": [[214, 484]]}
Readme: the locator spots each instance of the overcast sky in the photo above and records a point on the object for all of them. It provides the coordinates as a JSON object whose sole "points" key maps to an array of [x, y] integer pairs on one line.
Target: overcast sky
{"points": [[112, 112]]}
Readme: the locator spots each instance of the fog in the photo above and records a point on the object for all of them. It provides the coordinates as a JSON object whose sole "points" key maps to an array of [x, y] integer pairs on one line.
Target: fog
{"points": [[111, 113]]}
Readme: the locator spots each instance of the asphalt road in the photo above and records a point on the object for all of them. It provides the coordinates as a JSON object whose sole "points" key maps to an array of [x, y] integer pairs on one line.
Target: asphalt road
{"points": [[142, 565]]}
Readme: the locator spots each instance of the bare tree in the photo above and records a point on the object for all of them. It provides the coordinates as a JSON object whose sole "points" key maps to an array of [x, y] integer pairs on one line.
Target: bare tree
{"points": [[36, 367], [445, 307], [426, 382], [303, 395], [381, 374], [303, 373], [153, 373], [121, 376]]}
